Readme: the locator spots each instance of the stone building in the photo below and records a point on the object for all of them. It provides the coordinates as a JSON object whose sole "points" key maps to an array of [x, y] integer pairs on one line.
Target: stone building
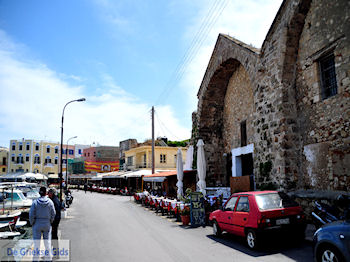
{"points": [[281, 112]]}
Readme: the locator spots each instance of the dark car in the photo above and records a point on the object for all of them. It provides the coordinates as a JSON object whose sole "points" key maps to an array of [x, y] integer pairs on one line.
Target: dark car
{"points": [[332, 242], [255, 214]]}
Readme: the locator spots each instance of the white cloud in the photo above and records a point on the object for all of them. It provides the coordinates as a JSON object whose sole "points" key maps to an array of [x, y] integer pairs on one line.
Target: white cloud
{"points": [[248, 21], [33, 96]]}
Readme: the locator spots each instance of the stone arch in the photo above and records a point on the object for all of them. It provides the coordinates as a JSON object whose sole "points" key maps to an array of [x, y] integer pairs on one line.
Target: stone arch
{"points": [[211, 110]]}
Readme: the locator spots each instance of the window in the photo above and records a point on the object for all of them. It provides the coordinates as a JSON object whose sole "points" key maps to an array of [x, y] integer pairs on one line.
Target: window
{"points": [[230, 206], [88, 154], [64, 161], [19, 159], [56, 150], [26, 170], [13, 146], [84, 154], [37, 147], [328, 76], [48, 149], [3, 169], [130, 161], [71, 151], [94, 154], [13, 158], [4, 161], [20, 147], [27, 146], [79, 151], [27, 157], [243, 204], [37, 159], [162, 158], [56, 160], [48, 160], [244, 133]]}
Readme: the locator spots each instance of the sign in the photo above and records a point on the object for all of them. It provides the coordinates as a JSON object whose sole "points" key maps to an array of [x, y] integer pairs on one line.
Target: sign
{"points": [[197, 209]]}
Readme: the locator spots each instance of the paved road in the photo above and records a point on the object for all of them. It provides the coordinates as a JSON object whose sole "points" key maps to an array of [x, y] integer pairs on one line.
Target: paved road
{"points": [[113, 228]]}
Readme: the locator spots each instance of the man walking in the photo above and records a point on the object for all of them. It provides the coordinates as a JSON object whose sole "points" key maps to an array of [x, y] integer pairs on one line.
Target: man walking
{"points": [[53, 196], [41, 215]]}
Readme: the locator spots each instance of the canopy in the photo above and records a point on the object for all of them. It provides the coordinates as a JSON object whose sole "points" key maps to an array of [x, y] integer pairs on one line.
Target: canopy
{"points": [[138, 173], [201, 167], [54, 176], [37, 176], [180, 173]]}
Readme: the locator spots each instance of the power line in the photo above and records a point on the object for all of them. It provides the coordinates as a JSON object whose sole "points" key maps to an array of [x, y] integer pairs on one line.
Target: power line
{"points": [[207, 23]]}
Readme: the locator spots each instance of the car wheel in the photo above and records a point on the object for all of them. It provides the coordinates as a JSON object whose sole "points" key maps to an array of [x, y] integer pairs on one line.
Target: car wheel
{"points": [[251, 239], [329, 254], [216, 229]]}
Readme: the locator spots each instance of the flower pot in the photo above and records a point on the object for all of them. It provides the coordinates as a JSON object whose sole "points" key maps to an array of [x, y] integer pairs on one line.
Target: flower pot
{"points": [[185, 220]]}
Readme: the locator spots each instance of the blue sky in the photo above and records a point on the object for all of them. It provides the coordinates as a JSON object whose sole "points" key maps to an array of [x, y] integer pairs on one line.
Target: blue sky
{"points": [[121, 55]]}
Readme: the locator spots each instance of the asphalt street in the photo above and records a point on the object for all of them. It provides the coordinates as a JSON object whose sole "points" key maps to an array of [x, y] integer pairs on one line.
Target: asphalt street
{"points": [[105, 227]]}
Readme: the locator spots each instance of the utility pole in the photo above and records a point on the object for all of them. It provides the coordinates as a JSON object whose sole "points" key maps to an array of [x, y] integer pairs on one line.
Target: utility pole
{"points": [[153, 140]]}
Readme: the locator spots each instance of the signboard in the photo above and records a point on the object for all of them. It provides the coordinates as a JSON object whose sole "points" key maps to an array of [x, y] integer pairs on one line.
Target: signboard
{"points": [[197, 209]]}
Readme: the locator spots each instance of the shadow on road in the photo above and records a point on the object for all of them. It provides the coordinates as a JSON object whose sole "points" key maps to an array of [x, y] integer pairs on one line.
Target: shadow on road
{"points": [[297, 251]]}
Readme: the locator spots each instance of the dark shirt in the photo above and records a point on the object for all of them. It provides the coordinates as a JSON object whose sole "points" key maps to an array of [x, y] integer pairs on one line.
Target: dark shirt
{"points": [[57, 205]]}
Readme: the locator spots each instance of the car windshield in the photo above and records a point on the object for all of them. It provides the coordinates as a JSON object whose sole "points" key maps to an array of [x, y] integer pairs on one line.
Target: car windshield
{"points": [[274, 200]]}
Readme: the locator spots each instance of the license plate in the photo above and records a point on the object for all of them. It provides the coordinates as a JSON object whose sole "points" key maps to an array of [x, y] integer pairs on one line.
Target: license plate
{"points": [[283, 221]]}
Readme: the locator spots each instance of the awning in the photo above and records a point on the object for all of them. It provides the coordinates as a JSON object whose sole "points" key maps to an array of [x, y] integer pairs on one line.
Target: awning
{"points": [[138, 173], [159, 177], [154, 179], [54, 176]]}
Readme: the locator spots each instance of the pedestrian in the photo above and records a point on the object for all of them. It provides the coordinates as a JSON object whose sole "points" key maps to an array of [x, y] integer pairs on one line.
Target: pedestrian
{"points": [[41, 215], [85, 187], [58, 206]]}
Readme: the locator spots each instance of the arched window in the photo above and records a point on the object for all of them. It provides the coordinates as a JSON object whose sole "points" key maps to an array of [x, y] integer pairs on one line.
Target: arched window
{"points": [[28, 146], [56, 160], [20, 159], [48, 149], [37, 147], [47, 160], [27, 157], [20, 146], [36, 159], [13, 146], [13, 157], [56, 149]]}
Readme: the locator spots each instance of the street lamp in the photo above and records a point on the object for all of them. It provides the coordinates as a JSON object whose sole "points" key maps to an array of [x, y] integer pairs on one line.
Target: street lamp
{"points": [[67, 159], [77, 100]]}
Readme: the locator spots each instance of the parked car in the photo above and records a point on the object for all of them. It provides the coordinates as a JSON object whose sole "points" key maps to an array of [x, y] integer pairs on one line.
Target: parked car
{"points": [[253, 214], [332, 242]]}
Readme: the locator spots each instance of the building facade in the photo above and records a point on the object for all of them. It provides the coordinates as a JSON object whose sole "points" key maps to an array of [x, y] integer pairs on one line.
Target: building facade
{"points": [[33, 156], [4, 156], [281, 112], [141, 157], [125, 146], [101, 159]]}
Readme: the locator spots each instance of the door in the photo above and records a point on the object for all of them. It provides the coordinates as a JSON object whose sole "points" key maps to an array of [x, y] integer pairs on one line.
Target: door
{"points": [[240, 215], [225, 221]]}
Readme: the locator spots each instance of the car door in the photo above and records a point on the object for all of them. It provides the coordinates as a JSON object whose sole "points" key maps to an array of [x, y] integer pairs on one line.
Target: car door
{"points": [[240, 215], [225, 221]]}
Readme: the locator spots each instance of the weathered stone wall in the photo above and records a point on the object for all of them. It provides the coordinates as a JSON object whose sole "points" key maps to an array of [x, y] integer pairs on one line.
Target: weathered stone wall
{"points": [[229, 54], [324, 124], [238, 106], [295, 132]]}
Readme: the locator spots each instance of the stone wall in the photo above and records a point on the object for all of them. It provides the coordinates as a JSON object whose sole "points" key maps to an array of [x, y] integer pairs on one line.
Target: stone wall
{"points": [[299, 139], [324, 123], [238, 106]]}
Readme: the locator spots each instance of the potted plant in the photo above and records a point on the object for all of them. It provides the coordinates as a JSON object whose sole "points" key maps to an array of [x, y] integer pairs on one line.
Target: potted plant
{"points": [[185, 215]]}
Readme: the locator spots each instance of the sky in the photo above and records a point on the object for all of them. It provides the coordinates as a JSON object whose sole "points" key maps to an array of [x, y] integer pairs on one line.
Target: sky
{"points": [[123, 56]]}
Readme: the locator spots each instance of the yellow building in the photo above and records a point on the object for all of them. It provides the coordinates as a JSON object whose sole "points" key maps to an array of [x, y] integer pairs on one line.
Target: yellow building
{"points": [[33, 156], [4, 156], [164, 157]]}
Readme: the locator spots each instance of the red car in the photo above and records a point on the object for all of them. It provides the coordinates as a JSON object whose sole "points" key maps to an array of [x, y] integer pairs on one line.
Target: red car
{"points": [[252, 214]]}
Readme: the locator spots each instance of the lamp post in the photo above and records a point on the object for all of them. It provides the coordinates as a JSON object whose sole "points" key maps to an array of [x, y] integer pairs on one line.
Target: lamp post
{"points": [[67, 159], [61, 155]]}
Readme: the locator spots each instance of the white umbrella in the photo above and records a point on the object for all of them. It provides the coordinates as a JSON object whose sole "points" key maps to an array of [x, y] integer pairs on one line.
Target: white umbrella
{"points": [[201, 167], [189, 158], [180, 173]]}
